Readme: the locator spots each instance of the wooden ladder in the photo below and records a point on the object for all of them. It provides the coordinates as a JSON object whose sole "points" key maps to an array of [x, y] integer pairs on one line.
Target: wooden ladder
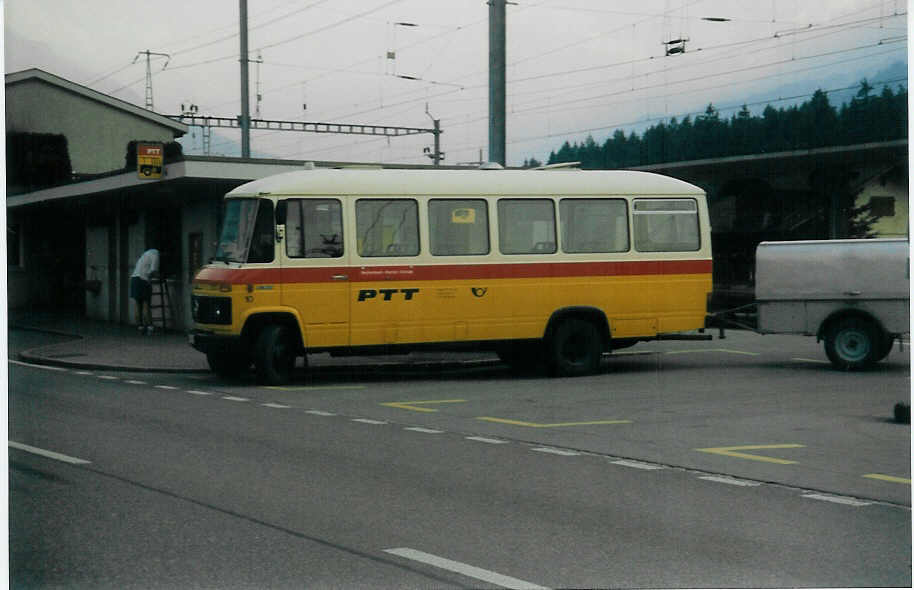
{"points": [[160, 305]]}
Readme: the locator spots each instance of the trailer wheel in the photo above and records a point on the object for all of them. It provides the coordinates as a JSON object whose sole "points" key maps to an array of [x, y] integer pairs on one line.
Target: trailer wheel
{"points": [[274, 355], [853, 343], [575, 348], [887, 341]]}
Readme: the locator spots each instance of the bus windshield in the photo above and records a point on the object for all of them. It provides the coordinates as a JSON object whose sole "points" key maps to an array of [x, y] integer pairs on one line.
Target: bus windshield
{"points": [[247, 231]]}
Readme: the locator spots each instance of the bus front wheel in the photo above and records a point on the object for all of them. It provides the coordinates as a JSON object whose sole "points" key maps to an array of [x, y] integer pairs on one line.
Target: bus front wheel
{"points": [[575, 348], [274, 355]]}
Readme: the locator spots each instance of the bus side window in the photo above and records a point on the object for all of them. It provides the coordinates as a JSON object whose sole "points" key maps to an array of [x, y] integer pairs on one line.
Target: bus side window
{"points": [[458, 227], [666, 225], [526, 226], [387, 227], [314, 228], [594, 225]]}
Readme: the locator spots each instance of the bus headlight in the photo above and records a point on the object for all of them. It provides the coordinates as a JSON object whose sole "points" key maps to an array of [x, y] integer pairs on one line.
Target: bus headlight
{"points": [[211, 310]]}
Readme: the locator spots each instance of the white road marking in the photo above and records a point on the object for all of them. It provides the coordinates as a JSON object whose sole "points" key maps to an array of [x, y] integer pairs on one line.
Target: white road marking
{"points": [[367, 421], [274, 405], [837, 499], [551, 451], [232, 398], [730, 481], [82, 372], [803, 360], [45, 367], [48, 454], [637, 465], [135, 382], [463, 569], [423, 430], [491, 441], [196, 392], [319, 413], [169, 387], [109, 377]]}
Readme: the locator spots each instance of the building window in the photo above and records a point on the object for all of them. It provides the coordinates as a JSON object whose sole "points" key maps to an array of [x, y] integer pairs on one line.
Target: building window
{"points": [[882, 206]]}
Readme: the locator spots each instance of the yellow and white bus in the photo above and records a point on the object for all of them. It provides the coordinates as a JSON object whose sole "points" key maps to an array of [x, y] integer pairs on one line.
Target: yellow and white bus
{"points": [[550, 266]]}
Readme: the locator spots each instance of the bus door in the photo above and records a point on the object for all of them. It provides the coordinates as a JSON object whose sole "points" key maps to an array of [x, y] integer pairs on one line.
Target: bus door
{"points": [[314, 269]]}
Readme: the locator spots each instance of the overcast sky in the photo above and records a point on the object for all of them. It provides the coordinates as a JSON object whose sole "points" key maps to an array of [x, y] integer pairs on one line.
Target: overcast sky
{"points": [[575, 67]]}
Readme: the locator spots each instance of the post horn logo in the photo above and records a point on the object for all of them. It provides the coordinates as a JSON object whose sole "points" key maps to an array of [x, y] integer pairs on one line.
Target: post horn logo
{"points": [[479, 291]]}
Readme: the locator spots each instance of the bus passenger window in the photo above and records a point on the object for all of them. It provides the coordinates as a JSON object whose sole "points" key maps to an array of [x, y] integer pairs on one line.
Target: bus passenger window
{"points": [[594, 225], [665, 225], [526, 226], [314, 228], [458, 227], [387, 227]]}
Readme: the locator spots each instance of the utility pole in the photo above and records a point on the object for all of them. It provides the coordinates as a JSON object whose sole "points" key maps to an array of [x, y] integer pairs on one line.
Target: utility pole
{"points": [[245, 97], [437, 154], [497, 81], [149, 55]]}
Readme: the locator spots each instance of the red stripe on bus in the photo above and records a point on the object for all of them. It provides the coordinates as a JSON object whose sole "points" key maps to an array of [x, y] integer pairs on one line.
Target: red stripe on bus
{"points": [[439, 272]]}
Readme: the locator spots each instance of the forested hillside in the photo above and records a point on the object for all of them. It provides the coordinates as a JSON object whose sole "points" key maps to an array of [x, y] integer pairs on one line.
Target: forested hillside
{"points": [[815, 123]]}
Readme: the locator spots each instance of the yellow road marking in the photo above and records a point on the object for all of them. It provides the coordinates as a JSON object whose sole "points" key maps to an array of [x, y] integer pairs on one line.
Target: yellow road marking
{"points": [[315, 387], [734, 452], [556, 425], [890, 478], [727, 350], [412, 405]]}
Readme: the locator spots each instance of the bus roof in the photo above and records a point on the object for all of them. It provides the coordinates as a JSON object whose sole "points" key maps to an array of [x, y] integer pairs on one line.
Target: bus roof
{"points": [[466, 182]]}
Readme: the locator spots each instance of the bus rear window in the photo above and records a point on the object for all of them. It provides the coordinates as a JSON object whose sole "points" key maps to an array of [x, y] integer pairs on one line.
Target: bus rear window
{"points": [[666, 225]]}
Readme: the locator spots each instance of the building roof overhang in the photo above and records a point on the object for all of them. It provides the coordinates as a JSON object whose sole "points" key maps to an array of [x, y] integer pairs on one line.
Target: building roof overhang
{"points": [[36, 74]]}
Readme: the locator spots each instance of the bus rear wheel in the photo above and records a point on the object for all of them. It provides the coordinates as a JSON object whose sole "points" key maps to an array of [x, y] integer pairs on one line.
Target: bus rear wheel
{"points": [[274, 355], [575, 348]]}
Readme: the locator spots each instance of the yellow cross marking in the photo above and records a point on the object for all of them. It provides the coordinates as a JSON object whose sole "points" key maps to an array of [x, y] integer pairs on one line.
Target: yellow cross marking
{"points": [[557, 425], [734, 452], [412, 405], [890, 478]]}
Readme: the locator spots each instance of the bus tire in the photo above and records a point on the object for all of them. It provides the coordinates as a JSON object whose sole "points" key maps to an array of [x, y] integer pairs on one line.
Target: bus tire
{"points": [[227, 365], [853, 343], [575, 348], [274, 355]]}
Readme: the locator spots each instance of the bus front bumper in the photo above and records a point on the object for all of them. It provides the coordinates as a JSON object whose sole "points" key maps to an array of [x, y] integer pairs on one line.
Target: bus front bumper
{"points": [[206, 341]]}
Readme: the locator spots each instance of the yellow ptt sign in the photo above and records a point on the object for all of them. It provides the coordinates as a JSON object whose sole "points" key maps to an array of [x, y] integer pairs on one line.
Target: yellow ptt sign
{"points": [[150, 158]]}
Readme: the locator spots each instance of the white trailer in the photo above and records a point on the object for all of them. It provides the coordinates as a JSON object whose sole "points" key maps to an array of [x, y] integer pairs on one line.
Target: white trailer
{"points": [[854, 294]]}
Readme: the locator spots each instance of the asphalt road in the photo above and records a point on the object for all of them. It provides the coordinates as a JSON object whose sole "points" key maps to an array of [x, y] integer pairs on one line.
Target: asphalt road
{"points": [[743, 462]]}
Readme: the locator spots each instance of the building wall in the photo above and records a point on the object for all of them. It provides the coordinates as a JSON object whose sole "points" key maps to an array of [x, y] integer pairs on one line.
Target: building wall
{"points": [[97, 134], [888, 226]]}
